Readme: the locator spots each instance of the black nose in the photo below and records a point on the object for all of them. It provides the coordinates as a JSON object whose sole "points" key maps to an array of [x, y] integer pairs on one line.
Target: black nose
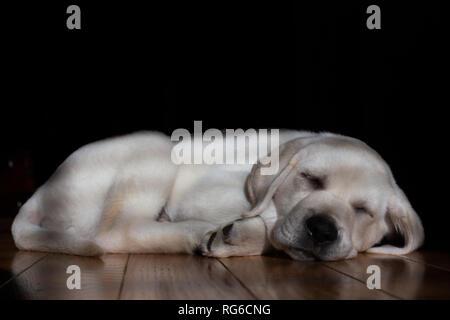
{"points": [[321, 229]]}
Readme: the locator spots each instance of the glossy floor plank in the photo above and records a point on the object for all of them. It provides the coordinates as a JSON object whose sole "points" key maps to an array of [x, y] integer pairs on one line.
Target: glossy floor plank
{"points": [[282, 278], [180, 277], [400, 276], [434, 258], [34, 275], [13, 263], [101, 278]]}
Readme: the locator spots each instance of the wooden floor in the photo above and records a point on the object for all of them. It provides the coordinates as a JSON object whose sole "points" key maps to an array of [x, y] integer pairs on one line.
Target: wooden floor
{"points": [[33, 275]]}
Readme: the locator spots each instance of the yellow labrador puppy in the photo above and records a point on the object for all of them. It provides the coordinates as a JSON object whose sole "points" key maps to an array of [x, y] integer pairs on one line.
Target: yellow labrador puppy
{"points": [[332, 197]]}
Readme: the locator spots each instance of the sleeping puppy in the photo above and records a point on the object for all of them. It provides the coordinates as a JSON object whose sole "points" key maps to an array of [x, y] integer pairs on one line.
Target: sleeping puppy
{"points": [[332, 197]]}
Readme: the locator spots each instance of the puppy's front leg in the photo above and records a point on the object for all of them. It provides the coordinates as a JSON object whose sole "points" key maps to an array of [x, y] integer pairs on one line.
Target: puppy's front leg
{"points": [[148, 236], [243, 237]]}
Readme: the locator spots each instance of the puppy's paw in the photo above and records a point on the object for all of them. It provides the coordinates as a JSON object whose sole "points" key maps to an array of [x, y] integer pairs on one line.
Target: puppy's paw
{"points": [[213, 245], [226, 241], [231, 233]]}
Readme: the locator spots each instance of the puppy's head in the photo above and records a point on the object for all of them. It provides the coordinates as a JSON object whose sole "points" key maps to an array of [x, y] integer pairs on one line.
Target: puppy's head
{"points": [[334, 197]]}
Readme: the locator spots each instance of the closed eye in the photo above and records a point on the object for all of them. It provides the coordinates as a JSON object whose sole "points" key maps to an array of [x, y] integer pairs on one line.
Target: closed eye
{"points": [[314, 181], [362, 209]]}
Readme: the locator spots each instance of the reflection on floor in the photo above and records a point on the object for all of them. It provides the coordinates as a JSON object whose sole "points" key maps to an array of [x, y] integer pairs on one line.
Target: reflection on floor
{"points": [[33, 275]]}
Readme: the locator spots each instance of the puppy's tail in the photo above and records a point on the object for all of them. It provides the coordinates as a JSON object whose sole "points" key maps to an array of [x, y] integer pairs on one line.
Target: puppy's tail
{"points": [[29, 235]]}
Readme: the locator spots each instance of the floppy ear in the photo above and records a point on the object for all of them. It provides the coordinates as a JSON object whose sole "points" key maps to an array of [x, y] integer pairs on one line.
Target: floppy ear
{"points": [[405, 221], [261, 188]]}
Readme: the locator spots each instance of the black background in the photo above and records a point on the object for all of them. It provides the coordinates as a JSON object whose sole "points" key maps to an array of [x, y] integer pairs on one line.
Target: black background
{"points": [[232, 64]]}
